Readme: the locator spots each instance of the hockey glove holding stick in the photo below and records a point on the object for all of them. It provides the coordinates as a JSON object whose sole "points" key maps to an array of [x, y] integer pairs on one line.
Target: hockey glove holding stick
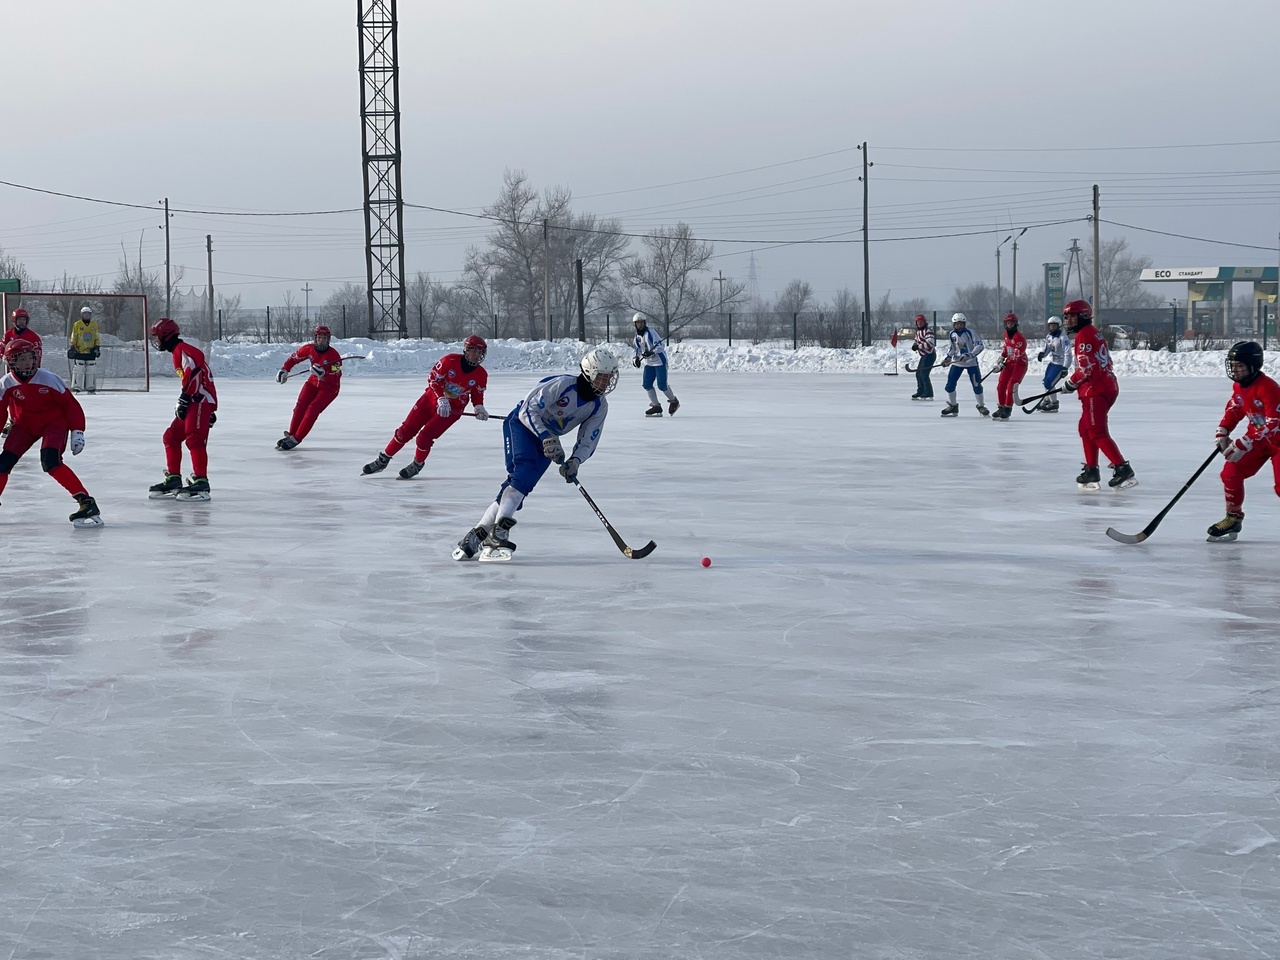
{"points": [[1222, 437], [77, 441], [317, 370], [443, 409], [180, 411], [480, 413], [1040, 355], [552, 450], [1070, 387], [1236, 451], [569, 469], [635, 362], [282, 376]]}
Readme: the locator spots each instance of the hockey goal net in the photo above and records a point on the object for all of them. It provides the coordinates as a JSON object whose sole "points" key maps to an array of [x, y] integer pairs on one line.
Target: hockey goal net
{"points": [[124, 360]]}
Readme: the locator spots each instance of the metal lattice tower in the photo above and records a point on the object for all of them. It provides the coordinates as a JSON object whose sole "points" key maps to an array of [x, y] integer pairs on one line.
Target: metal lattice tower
{"points": [[380, 148]]}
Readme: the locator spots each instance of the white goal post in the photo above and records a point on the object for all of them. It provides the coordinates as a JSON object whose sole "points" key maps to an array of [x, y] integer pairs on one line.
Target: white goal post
{"points": [[124, 362]]}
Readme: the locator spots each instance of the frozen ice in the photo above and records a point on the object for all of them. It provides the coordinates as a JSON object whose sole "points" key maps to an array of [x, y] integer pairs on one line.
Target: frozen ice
{"points": [[919, 707]]}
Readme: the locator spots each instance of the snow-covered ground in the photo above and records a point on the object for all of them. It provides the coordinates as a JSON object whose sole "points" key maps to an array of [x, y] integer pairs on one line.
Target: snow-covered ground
{"points": [[919, 705]]}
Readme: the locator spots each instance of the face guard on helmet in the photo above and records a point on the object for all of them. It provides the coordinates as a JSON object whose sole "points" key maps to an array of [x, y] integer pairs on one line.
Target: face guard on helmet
{"points": [[600, 367], [86, 313], [1244, 362], [1054, 322], [474, 350], [1077, 314], [20, 318], [23, 359], [164, 334], [959, 318]]}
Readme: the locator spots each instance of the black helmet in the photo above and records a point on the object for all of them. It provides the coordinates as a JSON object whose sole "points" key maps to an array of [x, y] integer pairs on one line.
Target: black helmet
{"points": [[1248, 353]]}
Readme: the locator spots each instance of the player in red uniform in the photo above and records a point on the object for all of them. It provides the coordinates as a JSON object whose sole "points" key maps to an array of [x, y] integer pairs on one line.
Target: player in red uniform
{"points": [[1013, 367], [1096, 382], [455, 379], [192, 417], [44, 410], [18, 330], [1254, 397], [320, 390]]}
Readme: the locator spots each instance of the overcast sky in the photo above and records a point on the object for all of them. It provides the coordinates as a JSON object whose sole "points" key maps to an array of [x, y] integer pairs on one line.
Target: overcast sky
{"points": [[740, 118]]}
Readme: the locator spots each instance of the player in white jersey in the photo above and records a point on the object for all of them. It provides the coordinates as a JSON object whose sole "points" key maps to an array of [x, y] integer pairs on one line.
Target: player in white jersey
{"points": [[531, 435], [1057, 347], [651, 353], [962, 357]]}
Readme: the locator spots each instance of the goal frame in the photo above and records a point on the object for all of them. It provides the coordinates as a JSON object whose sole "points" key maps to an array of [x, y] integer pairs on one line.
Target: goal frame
{"points": [[140, 383]]}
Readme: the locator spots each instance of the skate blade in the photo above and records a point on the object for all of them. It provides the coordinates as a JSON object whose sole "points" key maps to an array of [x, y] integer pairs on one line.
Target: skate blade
{"points": [[163, 496], [1089, 487], [1126, 485], [192, 497], [84, 523], [495, 554], [1225, 538]]}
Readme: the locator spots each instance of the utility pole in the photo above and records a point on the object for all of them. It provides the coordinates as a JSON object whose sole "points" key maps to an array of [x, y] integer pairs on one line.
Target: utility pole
{"points": [[1074, 258], [168, 286], [546, 281], [720, 307], [306, 294], [1014, 309], [582, 316], [208, 248], [866, 253], [1094, 301], [998, 293]]}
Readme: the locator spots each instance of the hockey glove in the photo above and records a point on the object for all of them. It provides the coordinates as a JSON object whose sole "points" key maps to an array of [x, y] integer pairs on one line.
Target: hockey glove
{"points": [[1040, 355], [213, 418], [180, 411], [946, 361], [635, 362], [552, 450], [95, 353], [480, 412], [1069, 386], [443, 408], [282, 376], [1238, 449], [647, 354], [1222, 437], [77, 441], [317, 370], [569, 469]]}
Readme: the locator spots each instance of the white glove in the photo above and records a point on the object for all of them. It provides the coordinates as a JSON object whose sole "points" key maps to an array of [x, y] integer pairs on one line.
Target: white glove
{"points": [[480, 412], [1222, 437], [443, 408], [282, 376], [1238, 449], [317, 370], [552, 450], [77, 441]]}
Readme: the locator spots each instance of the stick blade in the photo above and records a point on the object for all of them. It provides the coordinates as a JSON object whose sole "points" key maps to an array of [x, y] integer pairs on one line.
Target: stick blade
{"points": [[1119, 537], [640, 552]]}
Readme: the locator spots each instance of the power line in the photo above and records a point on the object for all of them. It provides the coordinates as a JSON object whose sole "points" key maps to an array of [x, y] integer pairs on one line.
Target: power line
{"points": [[1183, 236]]}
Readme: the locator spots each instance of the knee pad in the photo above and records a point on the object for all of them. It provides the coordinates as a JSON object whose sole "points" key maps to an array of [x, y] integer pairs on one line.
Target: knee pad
{"points": [[7, 460], [50, 458]]}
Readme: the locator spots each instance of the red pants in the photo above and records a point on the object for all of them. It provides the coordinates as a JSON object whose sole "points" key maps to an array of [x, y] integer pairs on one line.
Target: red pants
{"points": [[1093, 427], [53, 438], [312, 399], [1235, 474], [194, 431], [423, 424], [1010, 377]]}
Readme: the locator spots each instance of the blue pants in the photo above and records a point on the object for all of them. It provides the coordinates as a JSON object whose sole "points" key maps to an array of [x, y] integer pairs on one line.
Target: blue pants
{"points": [[953, 377], [924, 386], [525, 461], [1051, 374], [659, 373]]}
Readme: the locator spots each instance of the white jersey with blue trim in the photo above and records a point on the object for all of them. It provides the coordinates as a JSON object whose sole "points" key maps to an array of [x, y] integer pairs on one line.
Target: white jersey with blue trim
{"points": [[965, 347], [1058, 349], [554, 408], [650, 342]]}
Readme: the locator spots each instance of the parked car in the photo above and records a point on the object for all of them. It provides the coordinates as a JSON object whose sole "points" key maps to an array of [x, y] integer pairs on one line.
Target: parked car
{"points": [[1122, 338]]}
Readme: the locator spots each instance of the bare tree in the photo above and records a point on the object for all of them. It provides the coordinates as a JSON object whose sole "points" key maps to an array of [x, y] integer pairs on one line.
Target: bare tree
{"points": [[838, 323], [665, 283], [13, 269], [1119, 273]]}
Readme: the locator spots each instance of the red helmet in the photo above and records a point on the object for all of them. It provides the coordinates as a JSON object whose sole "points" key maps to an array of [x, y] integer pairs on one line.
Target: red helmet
{"points": [[16, 349], [921, 321], [476, 343], [1010, 316], [164, 331], [20, 314], [322, 331], [1075, 313]]}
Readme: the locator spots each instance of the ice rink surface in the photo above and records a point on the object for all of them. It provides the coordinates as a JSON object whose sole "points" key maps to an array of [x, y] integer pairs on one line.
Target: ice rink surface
{"points": [[919, 707]]}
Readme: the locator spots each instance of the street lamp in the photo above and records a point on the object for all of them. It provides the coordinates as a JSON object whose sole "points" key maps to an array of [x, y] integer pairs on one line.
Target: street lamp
{"points": [[1014, 308]]}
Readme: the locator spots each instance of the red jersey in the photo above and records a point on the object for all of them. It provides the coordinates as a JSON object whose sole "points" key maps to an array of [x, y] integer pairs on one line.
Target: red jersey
{"points": [[326, 367], [1259, 403], [26, 333], [193, 372], [1093, 374], [447, 379], [1015, 349], [41, 402]]}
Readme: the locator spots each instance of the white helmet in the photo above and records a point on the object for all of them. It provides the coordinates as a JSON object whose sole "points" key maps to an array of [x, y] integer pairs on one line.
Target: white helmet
{"points": [[638, 318], [959, 318], [86, 311], [600, 363], [1052, 320]]}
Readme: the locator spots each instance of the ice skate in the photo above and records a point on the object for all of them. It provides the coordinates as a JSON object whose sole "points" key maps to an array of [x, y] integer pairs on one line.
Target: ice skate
{"points": [[287, 442], [951, 410], [197, 489], [1226, 529], [497, 547], [469, 546], [166, 489], [376, 466], [982, 409], [1002, 413], [655, 410], [672, 407], [411, 470], [88, 515], [1053, 406], [1122, 477], [1090, 478]]}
